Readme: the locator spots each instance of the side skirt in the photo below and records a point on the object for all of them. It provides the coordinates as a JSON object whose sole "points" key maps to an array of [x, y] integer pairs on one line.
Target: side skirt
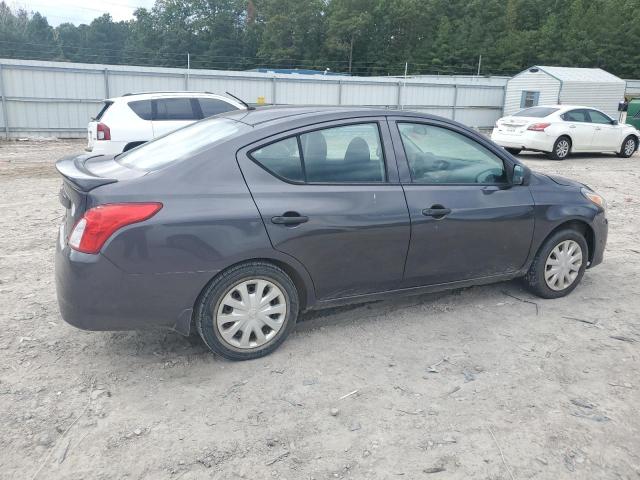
{"points": [[439, 287]]}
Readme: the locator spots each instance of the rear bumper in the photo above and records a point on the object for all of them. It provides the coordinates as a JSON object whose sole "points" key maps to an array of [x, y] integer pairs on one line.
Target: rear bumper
{"points": [[538, 141], [106, 147], [94, 294]]}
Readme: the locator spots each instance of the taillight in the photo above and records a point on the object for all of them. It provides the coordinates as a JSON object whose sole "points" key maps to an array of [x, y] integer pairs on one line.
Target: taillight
{"points": [[538, 127], [103, 132], [99, 223]]}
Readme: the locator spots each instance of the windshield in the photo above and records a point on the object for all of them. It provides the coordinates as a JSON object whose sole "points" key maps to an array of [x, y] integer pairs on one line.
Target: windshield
{"points": [[180, 144], [536, 112]]}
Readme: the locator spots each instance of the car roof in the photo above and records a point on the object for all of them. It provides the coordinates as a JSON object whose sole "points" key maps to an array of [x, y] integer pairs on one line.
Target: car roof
{"points": [[563, 107], [277, 114], [128, 97]]}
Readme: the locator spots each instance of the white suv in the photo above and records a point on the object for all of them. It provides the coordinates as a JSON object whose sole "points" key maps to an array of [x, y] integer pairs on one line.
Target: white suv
{"points": [[133, 119]]}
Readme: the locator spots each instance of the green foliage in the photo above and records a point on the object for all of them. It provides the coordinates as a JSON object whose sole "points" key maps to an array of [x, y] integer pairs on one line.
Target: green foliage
{"points": [[364, 37]]}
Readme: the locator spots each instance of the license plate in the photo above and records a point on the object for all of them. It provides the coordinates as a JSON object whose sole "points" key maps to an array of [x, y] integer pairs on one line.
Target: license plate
{"points": [[510, 129]]}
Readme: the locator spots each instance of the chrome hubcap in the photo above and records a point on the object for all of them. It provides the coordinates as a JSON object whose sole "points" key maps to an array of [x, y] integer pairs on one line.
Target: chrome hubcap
{"points": [[629, 147], [562, 149], [563, 265], [251, 313]]}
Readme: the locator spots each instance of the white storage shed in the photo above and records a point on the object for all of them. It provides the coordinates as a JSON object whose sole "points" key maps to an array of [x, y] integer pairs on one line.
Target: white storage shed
{"points": [[592, 87]]}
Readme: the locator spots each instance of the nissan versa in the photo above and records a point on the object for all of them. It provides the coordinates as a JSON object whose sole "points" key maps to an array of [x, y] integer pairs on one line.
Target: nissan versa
{"points": [[236, 224]]}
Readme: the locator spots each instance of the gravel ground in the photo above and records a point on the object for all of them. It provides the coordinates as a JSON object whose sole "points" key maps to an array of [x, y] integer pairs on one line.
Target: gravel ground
{"points": [[485, 382]]}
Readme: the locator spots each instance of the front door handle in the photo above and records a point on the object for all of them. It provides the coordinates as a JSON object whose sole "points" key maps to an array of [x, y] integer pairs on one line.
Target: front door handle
{"points": [[436, 211], [598, 128], [289, 218], [572, 126]]}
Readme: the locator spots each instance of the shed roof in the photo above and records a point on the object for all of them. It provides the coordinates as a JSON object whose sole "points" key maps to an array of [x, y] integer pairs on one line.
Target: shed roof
{"points": [[571, 74]]}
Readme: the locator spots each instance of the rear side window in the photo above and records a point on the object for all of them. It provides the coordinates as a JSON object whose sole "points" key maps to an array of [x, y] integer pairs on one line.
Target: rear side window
{"points": [[282, 159], [213, 106], [142, 108], [539, 112], [103, 110], [175, 109], [180, 144], [346, 154], [576, 116]]}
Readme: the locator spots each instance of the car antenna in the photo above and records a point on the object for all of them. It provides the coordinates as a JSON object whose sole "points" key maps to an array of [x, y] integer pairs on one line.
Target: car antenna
{"points": [[249, 107]]}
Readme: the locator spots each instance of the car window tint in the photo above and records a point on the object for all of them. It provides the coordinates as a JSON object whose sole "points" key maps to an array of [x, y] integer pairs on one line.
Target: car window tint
{"points": [[439, 155], [576, 116], [347, 154], [174, 109], [142, 108], [281, 158], [213, 106], [180, 145], [539, 112], [599, 117]]}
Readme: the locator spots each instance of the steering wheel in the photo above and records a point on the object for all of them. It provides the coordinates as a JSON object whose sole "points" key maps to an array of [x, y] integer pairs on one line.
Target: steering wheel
{"points": [[490, 175]]}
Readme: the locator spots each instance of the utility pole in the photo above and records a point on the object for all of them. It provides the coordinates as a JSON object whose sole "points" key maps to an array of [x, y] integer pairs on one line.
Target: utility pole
{"points": [[188, 67], [479, 64], [406, 67], [351, 53]]}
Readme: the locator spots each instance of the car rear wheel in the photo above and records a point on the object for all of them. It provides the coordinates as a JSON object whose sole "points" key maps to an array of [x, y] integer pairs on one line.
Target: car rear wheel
{"points": [[559, 265], [248, 311], [513, 151], [561, 149], [629, 146]]}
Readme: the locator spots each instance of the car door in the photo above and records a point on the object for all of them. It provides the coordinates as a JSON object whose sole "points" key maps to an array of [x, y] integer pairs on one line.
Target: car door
{"points": [[172, 113], [580, 129], [467, 220], [607, 136], [329, 197]]}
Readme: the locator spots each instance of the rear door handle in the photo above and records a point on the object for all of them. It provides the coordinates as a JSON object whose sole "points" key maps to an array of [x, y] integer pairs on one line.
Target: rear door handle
{"points": [[598, 128], [436, 211], [289, 218]]}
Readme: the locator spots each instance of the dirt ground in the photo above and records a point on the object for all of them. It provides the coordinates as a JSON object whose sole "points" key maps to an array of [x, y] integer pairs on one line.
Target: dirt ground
{"points": [[483, 383]]}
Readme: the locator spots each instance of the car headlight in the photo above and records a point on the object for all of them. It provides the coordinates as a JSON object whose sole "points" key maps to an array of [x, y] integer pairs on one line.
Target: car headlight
{"points": [[595, 198]]}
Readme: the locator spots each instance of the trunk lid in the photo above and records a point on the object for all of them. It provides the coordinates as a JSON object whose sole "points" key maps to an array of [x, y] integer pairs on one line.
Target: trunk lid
{"points": [[516, 125], [80, 175]]}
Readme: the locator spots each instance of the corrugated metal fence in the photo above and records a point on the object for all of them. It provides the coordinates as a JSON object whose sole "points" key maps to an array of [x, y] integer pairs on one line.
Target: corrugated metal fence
{"points": [[58, 99]]}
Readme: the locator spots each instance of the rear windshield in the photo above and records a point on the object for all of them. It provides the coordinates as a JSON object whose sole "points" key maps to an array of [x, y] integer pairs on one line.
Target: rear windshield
{"points": [[102, 111], [536, 112], [180, 144]]}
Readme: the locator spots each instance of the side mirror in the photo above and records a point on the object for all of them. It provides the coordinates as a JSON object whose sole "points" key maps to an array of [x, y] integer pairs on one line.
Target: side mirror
{"points": [[518, 175], [614, 122]]}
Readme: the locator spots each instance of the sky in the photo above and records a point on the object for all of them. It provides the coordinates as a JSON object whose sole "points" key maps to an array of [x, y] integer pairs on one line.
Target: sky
{"points": [[81, 11]]}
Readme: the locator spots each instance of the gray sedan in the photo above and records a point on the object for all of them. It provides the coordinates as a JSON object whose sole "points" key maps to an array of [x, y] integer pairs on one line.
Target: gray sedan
{"points": [[236, 224]]}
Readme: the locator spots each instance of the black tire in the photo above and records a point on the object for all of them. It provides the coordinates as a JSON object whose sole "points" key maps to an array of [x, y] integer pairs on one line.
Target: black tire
{"points": [[214, 293], [535, 281], [559, 153], [513, 151], [625, 149]]}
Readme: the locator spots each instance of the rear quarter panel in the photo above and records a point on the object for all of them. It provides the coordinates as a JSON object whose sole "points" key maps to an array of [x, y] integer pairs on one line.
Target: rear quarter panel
{"points": [[208, 218]]}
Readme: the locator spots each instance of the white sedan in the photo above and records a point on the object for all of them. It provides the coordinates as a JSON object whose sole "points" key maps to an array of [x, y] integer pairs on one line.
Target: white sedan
{"points": [[559, 130]]}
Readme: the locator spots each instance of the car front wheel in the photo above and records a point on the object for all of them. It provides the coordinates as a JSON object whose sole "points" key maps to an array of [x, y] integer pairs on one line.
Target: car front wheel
{"points": [[561, 149], [559, 265], [629, 146], [513, 151], [248, 311]]}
